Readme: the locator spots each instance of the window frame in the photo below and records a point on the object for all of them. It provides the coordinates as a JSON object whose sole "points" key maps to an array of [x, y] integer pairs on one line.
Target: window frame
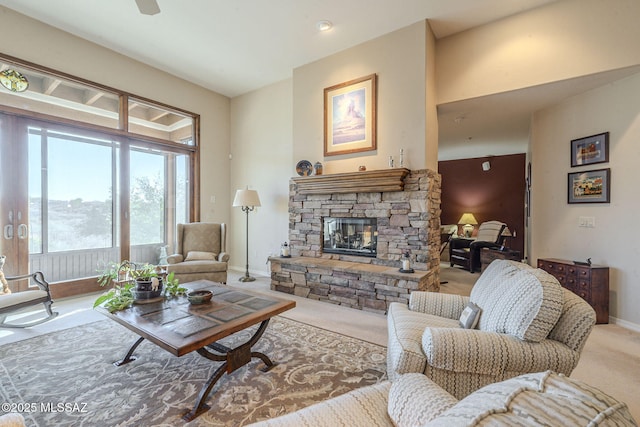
{"points": [[125, 139], [121, 131]]}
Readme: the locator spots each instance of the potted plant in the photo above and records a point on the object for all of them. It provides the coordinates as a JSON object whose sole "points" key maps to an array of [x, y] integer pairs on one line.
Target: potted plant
{"points": [[148, 281], [132, 282]]}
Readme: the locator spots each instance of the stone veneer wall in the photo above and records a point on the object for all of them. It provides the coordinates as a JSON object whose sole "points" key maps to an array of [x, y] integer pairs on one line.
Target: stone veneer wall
{"points": [[407, 220], [364, 286]]}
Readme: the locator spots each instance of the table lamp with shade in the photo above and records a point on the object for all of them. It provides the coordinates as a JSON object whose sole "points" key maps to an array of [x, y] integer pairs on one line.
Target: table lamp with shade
{"points": [[247, 200], [506, 234], [468, 221]]}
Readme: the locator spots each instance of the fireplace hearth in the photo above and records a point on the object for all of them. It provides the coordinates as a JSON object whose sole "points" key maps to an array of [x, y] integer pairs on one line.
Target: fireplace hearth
{"points": [[350, 236]]}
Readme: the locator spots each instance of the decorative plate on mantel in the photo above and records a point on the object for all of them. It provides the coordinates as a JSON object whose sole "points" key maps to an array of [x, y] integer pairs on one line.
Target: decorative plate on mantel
{"points": [[304, 168]]}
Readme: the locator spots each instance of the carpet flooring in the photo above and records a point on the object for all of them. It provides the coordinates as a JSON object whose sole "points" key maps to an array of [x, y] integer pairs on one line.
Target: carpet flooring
{"points": [[609, 361], [71, 381]]}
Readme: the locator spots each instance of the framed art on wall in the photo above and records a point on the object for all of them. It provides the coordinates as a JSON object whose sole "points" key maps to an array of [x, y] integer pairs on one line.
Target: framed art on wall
{"points": [[350, 117], [590, 186], [590, 150]]}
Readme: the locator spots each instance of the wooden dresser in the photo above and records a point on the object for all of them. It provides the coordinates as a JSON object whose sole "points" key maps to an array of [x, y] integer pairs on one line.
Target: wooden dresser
{"points": [[591, 282]]}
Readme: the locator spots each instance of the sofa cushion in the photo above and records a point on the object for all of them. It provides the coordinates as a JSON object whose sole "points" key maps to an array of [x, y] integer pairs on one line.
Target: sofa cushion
{"points": [[197, 267], [200, 256], [518, 300], [542, 398], [11, 300], [414, 400]]}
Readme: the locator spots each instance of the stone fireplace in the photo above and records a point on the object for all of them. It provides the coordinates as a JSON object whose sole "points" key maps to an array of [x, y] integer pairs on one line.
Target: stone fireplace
{"points": [[405, 207], [349, 236]]}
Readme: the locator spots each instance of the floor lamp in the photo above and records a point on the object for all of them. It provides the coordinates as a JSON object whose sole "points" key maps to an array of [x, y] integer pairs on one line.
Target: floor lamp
{"points": [[247, 200]]}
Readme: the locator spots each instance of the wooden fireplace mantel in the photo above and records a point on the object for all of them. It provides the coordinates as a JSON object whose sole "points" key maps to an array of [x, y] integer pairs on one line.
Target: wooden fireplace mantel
{"points": [[353, 182]]}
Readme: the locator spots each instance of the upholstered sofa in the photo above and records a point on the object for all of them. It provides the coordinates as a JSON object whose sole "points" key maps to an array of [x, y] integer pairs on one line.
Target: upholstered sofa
{"points": [[12, 419], [413, 400], [526, 323], [200, 253]]}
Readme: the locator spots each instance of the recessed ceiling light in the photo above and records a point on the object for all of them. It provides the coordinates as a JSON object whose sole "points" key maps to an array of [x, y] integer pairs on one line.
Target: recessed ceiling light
{"points": [[324, 25]]}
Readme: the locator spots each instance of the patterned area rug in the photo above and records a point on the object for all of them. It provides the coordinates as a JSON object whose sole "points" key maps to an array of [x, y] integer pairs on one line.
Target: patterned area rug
{"points": [[67, 378]]}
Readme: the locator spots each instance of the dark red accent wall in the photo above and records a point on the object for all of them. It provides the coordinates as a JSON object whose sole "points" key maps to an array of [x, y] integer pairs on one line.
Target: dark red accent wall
{"points": [[497, 194]]}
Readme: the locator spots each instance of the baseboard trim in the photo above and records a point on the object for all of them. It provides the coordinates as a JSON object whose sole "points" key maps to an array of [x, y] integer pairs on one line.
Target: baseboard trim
{"points": [[625, 324]]}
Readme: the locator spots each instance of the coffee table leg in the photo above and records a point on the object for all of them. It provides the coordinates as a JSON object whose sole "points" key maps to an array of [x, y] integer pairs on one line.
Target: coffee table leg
{"points": [[201, 406], [129, 357], [233, 359]]}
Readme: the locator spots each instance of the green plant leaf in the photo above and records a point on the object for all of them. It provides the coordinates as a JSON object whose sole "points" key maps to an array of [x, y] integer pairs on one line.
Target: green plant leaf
{"points": [[102, 298]]}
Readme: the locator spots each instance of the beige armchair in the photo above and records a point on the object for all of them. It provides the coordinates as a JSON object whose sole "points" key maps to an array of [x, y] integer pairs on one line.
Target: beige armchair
{"points": [[526, 323], [200, 253]]}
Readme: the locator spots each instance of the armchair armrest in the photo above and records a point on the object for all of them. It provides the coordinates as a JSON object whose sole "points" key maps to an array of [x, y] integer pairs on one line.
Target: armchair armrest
{"points": [[175, 258], [414, 400], [37, 277], [223, 257], [479, 244], [457, 243], [494, 354], [438, 304]]}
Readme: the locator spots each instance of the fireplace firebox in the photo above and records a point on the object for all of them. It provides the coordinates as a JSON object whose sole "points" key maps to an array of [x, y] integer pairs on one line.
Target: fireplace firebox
{"points": [[350, 236]]}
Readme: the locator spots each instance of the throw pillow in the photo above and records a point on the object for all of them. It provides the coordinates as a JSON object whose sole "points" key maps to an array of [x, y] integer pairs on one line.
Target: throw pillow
{"points": [[200, 256], [470, 316]]}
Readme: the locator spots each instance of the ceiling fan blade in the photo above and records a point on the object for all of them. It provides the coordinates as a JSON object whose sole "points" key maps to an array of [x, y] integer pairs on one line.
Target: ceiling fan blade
{"points": [[148, 7]]}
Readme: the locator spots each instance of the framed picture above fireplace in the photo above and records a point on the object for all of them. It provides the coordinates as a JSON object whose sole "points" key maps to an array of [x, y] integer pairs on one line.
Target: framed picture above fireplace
{"points": [[350, 116]]}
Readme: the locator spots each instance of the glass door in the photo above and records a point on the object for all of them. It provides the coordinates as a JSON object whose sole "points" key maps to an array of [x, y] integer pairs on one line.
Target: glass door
{"points": [[63, 208], [73, 198]]}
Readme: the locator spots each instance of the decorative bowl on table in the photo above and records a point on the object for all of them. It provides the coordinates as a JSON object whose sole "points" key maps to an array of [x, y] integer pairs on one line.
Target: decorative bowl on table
{"points": [[199, 297]]}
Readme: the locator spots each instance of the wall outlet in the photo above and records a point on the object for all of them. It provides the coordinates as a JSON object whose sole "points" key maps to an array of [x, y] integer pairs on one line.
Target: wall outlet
{"points": [[587, 221]]}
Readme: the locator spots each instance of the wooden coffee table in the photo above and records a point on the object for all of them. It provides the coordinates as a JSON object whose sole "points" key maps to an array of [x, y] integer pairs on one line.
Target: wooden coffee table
{"points": [[180, 328]]}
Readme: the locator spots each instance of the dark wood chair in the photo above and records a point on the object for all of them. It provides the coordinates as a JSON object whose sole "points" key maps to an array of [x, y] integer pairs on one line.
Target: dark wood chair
{"points": [[466, 252], [14, 302]]}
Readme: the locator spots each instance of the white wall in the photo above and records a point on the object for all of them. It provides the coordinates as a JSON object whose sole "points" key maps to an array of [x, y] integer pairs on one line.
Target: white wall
{"points": [[559, 41], [614, 240], [465, 150], [262, 159], [431, 110], [555, 42], [398, 59], [31, 40]]}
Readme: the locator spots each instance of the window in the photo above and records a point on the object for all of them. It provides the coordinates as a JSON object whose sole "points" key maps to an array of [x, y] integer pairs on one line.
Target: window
{"points": [[77, 177], [66, 147]]}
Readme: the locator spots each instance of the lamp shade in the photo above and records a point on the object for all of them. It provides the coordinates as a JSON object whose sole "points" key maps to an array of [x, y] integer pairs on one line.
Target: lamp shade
{"points": [[467, 218], [246, 198]]}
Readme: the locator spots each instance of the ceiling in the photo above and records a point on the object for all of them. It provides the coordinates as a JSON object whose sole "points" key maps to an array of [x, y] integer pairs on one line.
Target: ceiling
{"points": [[233, 47]]}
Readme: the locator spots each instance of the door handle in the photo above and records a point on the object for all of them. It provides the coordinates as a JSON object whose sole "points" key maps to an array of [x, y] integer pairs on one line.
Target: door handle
{"points": [[22, 231], [8, 231]]}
